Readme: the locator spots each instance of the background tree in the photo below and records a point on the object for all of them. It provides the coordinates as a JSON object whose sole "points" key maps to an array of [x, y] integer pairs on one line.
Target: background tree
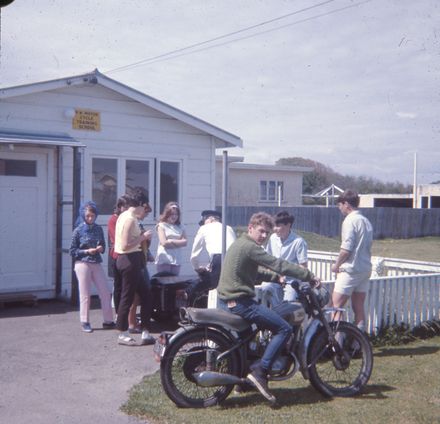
{"points": [[323, 176]]}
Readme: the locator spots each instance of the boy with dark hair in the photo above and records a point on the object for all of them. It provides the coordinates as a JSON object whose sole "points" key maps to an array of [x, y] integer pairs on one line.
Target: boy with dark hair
{"points": [[284, 243], [353, 264]]}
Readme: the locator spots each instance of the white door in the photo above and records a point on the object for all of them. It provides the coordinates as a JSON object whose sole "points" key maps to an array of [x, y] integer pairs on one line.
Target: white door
{"points": [[25, 257]]}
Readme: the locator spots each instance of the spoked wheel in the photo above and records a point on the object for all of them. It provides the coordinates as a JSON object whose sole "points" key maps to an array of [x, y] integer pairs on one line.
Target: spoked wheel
{"points": [[189, 355], [344, 373]]}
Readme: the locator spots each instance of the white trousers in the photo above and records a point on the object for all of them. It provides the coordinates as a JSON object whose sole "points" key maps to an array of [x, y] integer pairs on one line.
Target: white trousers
{"points": [[87, 273]]}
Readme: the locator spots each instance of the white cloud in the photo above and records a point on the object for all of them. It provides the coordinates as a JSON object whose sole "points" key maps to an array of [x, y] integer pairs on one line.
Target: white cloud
{"points": [[406, 115]]}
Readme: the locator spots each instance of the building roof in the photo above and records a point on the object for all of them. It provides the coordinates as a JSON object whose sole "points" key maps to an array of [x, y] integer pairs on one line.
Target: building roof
{"points": [[41, 139], [237, 162], [222, 138], [275, 168]]}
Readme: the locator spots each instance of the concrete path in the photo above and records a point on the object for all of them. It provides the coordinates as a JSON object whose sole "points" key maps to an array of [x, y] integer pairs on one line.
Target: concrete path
{"points": [[52, 372]]}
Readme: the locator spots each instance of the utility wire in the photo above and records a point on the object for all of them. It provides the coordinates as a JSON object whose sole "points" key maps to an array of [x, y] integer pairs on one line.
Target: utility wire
{"points": [[156, 58], [249, 36]]}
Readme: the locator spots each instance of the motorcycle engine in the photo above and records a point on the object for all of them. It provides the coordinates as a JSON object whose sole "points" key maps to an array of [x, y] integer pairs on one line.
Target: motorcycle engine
{"points": [[280, 364]]}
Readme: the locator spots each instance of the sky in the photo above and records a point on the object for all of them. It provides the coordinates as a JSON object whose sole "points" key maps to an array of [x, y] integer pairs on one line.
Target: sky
{"points": [[353, 84]]}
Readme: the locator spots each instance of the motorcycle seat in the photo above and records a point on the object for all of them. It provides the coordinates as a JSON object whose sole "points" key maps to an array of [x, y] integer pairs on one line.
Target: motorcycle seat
{"points": [[217, 317]]}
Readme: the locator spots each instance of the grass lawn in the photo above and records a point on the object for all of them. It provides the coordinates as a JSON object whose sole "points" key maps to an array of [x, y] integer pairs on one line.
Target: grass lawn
{"points": [[420, 249], [404, 388]]}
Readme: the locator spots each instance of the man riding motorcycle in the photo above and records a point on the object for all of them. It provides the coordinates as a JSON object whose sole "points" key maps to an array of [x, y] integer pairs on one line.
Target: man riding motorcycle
{"points": [[242, 268]]}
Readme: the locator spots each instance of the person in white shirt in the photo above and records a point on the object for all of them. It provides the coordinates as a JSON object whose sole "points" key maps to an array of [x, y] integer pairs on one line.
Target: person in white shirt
{"points": [[353, 264], [284, 243], [208, 242], [172, 238]]}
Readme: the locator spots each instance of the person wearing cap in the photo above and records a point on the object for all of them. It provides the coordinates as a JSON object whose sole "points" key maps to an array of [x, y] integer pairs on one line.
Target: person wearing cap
{"points": [[208, 241]]}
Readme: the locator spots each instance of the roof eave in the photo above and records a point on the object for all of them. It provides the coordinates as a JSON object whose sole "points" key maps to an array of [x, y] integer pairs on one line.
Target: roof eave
{"points": [[222, 137]]}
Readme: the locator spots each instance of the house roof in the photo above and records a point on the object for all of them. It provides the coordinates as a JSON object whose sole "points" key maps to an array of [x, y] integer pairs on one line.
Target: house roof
{"points": [[42, 139], [237, 162], [222, 138], [262, 167]]}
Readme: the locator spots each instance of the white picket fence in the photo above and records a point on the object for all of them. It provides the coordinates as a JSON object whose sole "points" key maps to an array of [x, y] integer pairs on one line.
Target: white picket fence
{"points": [[401, 291]]}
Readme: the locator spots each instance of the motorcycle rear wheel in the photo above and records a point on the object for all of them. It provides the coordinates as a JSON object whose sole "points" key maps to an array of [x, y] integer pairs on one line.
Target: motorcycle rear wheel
{"points": [[186, 356], [334, 374]]}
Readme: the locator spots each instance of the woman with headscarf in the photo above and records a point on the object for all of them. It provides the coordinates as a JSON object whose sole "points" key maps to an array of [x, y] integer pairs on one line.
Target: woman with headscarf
{"points": [[87, 245]]}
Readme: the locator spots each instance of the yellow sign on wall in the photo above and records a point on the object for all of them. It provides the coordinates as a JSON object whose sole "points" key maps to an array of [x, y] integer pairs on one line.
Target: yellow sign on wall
{"points": [[84, 119]]}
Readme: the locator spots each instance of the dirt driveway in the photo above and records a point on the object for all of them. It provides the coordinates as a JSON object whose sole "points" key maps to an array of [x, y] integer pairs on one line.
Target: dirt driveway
{"points": [[52, 372]]}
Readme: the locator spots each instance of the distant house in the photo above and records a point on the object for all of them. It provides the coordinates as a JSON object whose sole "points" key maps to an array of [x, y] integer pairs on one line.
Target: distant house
{"points": [[428, 197], [91, 137], [260, 185]]}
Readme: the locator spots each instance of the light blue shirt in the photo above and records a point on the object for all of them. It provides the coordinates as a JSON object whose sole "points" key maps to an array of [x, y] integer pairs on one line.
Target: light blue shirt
{"points": [[293, 249], [357, 238]]}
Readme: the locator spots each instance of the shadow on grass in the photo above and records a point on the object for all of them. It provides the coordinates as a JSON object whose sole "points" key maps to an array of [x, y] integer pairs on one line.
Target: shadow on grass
{"points": [[288, 397], [375, 391], [285, 397], [148, 401], [406, 351]]}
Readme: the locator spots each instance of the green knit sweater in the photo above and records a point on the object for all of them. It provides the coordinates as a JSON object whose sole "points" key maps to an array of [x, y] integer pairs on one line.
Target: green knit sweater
{"points": [[247, 263]]}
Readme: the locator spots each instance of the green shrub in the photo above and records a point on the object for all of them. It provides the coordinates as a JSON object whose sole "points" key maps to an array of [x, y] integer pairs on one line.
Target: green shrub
{"points": [[401, 334]]}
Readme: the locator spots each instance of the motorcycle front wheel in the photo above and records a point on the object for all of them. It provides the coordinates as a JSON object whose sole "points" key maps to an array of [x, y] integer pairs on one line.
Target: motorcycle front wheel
{"points": [[190, 354], [344, 373]]}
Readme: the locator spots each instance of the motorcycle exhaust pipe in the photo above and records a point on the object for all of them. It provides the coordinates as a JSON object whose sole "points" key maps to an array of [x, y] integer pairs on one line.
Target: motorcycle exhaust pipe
{"points": [[211, 378]]}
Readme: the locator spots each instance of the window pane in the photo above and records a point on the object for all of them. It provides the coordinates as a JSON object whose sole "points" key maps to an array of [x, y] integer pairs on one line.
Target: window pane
{"points": [[272, 190], [104, 184], [137, 175], [18, 168], [169, 183], [263, 190]]}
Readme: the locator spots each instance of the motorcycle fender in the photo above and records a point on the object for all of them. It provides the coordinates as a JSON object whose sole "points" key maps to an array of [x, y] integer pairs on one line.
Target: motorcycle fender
{"points": [[165, 339], [187, 328], [310, 331]]}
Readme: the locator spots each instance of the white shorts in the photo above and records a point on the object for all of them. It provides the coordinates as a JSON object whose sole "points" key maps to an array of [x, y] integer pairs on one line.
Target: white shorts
{"points": [[348, 283]]}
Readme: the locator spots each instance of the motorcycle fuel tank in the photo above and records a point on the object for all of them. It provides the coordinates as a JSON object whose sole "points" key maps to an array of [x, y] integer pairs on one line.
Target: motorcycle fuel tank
{"points": [[292, 312]]}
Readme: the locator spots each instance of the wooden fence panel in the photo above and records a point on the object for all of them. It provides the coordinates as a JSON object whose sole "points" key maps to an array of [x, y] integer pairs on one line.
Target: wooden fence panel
{"points": [[387, 222]]}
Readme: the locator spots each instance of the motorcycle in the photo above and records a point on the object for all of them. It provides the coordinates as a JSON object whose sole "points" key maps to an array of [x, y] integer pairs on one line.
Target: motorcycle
{"points": [[213, 349]]}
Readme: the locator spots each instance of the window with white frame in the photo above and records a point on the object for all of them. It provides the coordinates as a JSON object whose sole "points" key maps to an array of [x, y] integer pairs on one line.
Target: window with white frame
{"points": [[113, 177], [271, 191], [137, 174], [169, 183], [104, 184]]}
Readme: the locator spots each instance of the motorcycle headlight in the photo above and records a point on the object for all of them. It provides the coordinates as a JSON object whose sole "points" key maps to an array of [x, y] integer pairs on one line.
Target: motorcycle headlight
{"points": [[323, 296]]}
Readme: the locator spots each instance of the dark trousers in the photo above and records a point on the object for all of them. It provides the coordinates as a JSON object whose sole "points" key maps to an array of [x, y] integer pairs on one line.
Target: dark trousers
{"points": [[117, 282], [216, 267], [131, 267]]}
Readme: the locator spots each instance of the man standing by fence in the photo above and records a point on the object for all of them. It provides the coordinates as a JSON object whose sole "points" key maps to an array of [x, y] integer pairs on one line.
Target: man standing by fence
{"points": [[353, 265]]}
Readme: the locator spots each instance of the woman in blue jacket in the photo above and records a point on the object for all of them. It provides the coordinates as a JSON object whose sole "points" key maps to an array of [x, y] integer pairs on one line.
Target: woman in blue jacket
{"points": [[87, 245]]}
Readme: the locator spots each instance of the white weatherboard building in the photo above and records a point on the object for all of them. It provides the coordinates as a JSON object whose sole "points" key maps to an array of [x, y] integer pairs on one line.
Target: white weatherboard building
{"points": [[91, 137]]}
